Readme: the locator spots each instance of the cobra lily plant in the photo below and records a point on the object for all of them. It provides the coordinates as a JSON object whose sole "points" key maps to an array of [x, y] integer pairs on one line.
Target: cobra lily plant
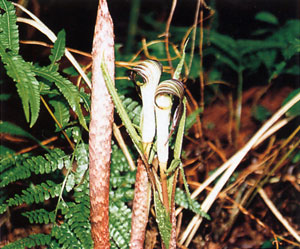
{"points": [[164, 94], [149, 71]]}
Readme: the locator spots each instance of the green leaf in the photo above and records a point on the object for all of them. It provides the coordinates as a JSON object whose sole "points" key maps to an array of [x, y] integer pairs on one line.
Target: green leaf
{"points": [[58, 49], [251, 46], [195, 208], [61, 111], [182, 199], [296, 158], [295, 109], [66, 87], [16, 67], [9, 35], [121, 110], [119, 223], [4, 96], [27, 85], [33, 240], [180, 64], [266, 17], [70, 182], [292, 49], [70, 71], [192, 118], [278, 69], [261, 113], [12, 129], [227, 60], [163, 220], [180, 132], [225, 43]]}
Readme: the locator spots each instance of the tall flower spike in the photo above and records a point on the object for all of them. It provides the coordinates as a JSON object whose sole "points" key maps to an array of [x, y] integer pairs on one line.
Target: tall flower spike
{"points": [[146, 75]]}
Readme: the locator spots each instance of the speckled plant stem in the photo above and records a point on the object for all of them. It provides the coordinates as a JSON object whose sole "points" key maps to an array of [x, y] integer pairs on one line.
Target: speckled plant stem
{"points": [[140, 209], [101, 127]]}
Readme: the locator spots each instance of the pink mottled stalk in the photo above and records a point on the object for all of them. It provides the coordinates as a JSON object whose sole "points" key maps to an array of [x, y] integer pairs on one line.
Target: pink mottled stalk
{"points": [[140, 208], [101, 127]]}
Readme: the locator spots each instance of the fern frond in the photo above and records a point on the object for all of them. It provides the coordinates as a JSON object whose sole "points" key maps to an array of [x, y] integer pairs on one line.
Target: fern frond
{"points": [[30, 241], [77, 219], [66, 87], [66, 237], [38, 193], [121, 176], [120, 224], [9, 35], [27, 85], [38, 165], [76, 216], [9, 160], [133, 109], [58, 49], [61, 112], [41, 216]]}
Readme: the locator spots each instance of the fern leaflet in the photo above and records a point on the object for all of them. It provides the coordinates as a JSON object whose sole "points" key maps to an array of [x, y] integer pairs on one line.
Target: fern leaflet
{"points": [[9, 35], [66, 87]]}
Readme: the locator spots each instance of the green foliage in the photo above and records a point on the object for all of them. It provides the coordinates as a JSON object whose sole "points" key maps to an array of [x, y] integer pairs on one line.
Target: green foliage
{"points": [[261, 113], [75, 230], [12, 129], [121, 184], [295, 109], [266, 17], [133, 108], [24, 74], [163, 220], [184, 200], [58, 49], [62, 200], [69, 91], [121, 110], [9, 35], [15, 66], [29, 242], [41, 216], [37, 165], [119, 224]]}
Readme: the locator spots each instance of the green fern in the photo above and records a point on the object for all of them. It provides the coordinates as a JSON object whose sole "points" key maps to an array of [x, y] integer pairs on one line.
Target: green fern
{"points": [[16, 67], [133, 109], [40, 216], [61, 112], [76, 225], [36, 194], [69, 91], [120, 224], [9, 35], [121, 182], [58, 49], [29, 242], [38, 165]]}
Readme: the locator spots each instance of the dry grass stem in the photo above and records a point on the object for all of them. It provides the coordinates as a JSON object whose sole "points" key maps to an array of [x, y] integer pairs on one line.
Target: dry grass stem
{"points": [[278, 215], [230, 167]]}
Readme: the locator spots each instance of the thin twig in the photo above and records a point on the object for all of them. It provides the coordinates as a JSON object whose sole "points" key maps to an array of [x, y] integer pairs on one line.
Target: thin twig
{"points": [[57, 122], [123, 146], [174, 2], [278, 215]]}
